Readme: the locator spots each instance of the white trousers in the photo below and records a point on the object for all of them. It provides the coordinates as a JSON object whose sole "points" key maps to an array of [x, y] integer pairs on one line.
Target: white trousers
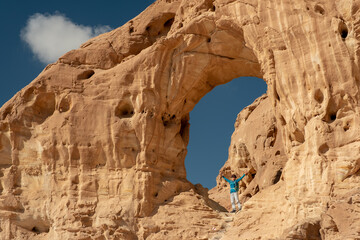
{"points": [[234, 199]]}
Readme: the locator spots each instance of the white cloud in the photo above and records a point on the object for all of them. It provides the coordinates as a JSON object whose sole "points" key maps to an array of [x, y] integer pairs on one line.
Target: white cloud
{"points": [[50, 36]]}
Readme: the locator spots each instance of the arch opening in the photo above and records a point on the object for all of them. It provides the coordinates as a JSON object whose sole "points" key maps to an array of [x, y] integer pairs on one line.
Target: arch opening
{"points": [[212, 125]]}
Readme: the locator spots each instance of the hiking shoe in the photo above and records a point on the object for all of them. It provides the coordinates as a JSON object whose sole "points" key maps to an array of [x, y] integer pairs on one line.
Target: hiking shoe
{"points": [[233, 211]]}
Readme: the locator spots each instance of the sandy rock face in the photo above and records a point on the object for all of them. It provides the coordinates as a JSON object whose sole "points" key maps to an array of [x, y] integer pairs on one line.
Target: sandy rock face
{"points": [[256, 146], [94, 147]]}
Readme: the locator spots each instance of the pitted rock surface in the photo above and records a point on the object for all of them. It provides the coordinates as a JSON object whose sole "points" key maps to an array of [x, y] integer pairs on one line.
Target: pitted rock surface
{"points": [[94, 147]]}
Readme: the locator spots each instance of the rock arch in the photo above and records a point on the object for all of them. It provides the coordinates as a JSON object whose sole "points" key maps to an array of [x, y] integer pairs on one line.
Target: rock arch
{"points": [[307, 54]]}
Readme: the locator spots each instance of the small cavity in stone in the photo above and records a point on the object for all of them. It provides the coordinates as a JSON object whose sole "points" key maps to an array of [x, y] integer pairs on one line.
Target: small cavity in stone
{"points": [[319, 9], [169, 23], [85, 75], [277, 176], [124, 110], [319, 96], [343, 30], [323, 148]]}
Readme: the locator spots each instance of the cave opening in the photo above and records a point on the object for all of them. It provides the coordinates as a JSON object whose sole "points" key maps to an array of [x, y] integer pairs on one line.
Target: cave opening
{"points": [[212, 124]]}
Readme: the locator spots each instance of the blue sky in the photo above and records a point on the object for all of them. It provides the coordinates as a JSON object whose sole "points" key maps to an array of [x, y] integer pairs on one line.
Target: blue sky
{"points": [[212, 120]]}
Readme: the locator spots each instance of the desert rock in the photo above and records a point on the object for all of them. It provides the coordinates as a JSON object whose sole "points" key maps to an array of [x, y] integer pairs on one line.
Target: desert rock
{"points": [[94, 147]]}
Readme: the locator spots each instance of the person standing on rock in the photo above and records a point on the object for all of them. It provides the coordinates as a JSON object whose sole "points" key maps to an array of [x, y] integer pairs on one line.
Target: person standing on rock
{"points": [[234, 188]]}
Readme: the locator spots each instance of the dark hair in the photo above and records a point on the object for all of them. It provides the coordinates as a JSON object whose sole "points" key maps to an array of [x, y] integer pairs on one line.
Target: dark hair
{"points": [[233, 176]]}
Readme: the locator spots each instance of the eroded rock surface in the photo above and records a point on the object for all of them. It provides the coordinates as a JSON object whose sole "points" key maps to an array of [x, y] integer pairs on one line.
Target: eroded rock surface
{"points": [[94, 147], [256, 146]]}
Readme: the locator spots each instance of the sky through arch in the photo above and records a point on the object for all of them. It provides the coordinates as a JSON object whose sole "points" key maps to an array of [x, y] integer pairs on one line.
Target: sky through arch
{"points": [[212, 124]]}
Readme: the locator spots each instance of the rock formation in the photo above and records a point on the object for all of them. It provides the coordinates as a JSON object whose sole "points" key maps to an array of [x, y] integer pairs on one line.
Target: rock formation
{"points": [[94, 147], [256, 146]]}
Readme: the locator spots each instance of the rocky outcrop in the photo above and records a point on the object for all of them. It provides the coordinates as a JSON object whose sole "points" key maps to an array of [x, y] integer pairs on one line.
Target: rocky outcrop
{"points": [[256, 146], [94, 147]]}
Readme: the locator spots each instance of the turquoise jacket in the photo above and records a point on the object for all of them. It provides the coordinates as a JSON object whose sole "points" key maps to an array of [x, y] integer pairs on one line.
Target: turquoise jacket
{"points": [[233, 183]]}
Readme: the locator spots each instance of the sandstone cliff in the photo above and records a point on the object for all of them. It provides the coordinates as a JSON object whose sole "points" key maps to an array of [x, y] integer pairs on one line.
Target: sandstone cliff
{"points": [[94, 147]]}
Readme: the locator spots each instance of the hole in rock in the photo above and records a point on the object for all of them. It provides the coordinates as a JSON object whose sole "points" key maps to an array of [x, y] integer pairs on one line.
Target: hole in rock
{"points": [[75, 154], [298, 136], [331, 111], [343, 30], [64, 105], [85, 74], [169, 23], [323, 148], [319, 9], [29, 94], [277, 176], [160, 25], [319, 96], [35, 230], [124, 110], [210, 132], [333, 117], [41, 227], [311, 230]]}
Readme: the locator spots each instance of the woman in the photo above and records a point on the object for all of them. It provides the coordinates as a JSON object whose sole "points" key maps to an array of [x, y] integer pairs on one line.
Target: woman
{"points": [[234, 188]]}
